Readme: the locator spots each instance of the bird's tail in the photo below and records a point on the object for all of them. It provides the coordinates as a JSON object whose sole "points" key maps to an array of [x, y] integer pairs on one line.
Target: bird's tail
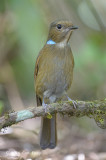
{"points": [[48, 133]]}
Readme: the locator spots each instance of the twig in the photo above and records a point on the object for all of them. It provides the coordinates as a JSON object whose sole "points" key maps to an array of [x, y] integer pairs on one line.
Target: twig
{"points": [[93, 109]]}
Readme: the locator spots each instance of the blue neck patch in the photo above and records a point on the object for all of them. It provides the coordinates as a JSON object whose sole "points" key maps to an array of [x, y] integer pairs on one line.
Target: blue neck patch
{"points": [[50, 42]]}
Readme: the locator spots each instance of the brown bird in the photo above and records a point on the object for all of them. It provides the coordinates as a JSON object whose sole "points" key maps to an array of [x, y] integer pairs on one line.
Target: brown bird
{"points": [[53, 76]]}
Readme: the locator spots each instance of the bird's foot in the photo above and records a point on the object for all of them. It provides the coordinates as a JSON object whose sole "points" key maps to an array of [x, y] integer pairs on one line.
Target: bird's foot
{"points": [[74, 103], [45, 106]]}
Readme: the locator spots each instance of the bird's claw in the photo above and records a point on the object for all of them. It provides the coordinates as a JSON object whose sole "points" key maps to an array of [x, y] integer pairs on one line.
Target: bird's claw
{"points": [[74, 103], [45, 106]]}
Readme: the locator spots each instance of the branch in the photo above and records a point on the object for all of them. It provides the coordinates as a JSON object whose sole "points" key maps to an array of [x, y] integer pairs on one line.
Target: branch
{"points": [[93, 109]]}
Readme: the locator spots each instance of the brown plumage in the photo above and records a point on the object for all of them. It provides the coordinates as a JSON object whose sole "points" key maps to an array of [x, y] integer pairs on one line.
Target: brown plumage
{"points": [[53, 75]]}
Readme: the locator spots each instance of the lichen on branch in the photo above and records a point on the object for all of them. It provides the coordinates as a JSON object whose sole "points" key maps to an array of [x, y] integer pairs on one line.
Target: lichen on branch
{"points": [[92, 109]]}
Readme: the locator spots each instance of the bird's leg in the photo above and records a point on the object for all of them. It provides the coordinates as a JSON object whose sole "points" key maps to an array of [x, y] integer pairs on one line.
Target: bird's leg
{"points": [[45, 106], [74, 103]]}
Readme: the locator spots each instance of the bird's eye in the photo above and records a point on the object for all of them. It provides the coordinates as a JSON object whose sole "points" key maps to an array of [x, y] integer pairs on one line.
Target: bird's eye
{"points": [[59, 26]]}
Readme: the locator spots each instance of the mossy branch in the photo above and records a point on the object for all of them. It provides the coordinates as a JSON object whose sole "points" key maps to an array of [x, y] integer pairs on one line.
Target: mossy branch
{"points": [[93, 109]]}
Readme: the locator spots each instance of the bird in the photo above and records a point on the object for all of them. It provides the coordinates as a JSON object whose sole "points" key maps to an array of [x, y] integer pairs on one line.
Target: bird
{"points": [[53, 76]]}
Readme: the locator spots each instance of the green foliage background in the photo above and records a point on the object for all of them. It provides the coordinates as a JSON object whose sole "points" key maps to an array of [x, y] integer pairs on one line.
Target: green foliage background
{"points": [[26, 29]]}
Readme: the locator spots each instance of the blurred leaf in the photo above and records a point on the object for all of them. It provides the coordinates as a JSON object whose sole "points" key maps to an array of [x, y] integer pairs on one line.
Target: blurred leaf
{"points": [[92, 60], [29, 30], [2, 5]]}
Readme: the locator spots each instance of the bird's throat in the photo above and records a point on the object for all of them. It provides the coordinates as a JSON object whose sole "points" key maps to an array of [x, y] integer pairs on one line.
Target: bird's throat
{"points": [[50, 42]]}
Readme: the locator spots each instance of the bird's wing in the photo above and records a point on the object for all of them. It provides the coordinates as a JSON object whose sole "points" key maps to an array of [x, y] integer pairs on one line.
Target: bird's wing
{"points": [[38, 99], [37, 64]]}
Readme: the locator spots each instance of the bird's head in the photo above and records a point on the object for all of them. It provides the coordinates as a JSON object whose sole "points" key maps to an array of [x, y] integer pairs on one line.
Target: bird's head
{"points": [[61, 31]]}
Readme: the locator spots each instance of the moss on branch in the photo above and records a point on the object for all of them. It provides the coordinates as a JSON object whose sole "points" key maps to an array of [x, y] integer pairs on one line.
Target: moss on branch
{"points": [[93, 109]]}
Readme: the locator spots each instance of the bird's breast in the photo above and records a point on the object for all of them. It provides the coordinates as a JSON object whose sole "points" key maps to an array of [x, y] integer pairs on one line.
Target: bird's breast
{"points": [[55, 70]]}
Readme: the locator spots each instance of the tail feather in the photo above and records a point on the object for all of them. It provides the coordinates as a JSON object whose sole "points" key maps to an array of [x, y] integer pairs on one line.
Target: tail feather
{"points": [[48, 133], [53, 138]]}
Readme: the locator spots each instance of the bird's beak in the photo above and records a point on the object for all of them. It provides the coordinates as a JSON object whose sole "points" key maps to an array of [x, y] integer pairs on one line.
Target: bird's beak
{"points": [[73, 27]]}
